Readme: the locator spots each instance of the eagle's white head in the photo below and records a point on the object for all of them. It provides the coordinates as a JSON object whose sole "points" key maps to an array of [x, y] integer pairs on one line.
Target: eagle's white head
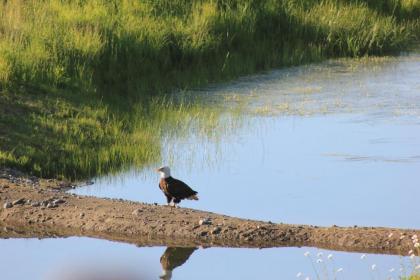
{"points": [[164, 171]]}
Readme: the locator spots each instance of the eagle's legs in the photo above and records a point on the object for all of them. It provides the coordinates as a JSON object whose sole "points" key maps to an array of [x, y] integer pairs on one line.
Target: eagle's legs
{"points": [[169, 199], [171, 202], [176, 201]]}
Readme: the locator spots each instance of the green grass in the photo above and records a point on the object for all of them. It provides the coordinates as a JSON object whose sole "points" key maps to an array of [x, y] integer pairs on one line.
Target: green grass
{"points": [[82, 82], [70, 138]]}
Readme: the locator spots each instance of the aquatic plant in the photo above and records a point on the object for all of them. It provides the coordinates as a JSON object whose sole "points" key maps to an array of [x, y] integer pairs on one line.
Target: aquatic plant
{"points": [[78, 79], [325, 268], [63, 136]]}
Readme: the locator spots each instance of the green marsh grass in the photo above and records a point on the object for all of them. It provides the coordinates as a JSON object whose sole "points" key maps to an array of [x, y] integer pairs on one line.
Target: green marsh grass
{"points": [[142, 47], [54, 136], [82, 82]]}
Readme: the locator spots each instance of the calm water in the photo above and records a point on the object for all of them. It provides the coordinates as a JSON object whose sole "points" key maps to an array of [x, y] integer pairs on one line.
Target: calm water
{"points": [[84, 258], [332, 143]]}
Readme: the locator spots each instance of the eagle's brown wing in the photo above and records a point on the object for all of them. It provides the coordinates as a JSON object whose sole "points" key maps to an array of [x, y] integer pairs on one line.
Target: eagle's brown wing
{"points": [[179, 189]]}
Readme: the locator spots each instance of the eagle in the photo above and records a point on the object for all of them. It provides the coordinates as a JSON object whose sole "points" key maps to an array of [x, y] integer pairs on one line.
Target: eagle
{"points": [[175, 190], [172, 258]]}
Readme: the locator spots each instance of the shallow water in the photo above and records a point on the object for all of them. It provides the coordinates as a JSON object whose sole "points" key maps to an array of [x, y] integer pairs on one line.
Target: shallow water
{"points": [[331, 143], [84, 258]]}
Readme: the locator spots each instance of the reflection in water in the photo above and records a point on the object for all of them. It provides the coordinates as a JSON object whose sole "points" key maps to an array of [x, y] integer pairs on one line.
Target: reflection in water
{"points": [[330, 134], [172, 258], [81, 258], [95, 274]]}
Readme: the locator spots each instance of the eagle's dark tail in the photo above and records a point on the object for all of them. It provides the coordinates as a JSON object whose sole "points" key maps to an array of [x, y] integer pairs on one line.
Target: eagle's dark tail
{"points": [[193, 197]]}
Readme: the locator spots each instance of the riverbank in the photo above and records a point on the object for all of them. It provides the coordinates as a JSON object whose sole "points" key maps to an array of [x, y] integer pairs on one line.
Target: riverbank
{"points": [[79, 80], [40, 208]]}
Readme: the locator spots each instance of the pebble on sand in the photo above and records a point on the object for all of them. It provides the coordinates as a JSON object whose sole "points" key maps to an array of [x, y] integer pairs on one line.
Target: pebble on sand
{"points": [[216, 230], [136, 212], [19, 201], [205, 221], [7, 205]]}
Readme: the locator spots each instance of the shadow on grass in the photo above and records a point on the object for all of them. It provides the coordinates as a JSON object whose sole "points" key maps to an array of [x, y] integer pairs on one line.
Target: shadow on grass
{"points": [[52, 135]]}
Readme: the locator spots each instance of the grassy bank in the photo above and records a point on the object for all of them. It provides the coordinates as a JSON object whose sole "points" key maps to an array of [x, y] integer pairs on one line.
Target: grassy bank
{"points": [[82, 81]]}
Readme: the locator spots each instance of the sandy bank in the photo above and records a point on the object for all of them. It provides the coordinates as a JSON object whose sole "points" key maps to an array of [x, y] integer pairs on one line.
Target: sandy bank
{"points": [[38, 208]]}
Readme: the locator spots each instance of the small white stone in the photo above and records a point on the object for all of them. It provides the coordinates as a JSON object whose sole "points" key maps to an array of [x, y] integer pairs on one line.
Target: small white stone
{"points": [[205, 221], [7, 205], [136, 212]]}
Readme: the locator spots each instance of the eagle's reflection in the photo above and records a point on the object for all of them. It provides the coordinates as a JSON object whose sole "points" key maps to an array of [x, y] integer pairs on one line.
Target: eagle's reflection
{"points": [[172, 258]]}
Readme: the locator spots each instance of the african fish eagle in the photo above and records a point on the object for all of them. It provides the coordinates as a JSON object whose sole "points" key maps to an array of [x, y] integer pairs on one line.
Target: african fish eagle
{"points": [[174, 190]]}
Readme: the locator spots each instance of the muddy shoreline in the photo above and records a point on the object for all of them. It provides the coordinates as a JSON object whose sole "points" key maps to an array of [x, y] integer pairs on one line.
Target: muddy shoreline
{"points": [[32, 207]]}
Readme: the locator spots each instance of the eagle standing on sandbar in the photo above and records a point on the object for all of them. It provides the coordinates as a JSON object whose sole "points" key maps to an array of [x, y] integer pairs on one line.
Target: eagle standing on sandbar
{"points": [[174, 190]]}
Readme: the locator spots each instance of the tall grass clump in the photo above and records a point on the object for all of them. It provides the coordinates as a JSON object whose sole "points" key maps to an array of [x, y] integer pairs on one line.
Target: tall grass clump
{"points": [[72, 72]]}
